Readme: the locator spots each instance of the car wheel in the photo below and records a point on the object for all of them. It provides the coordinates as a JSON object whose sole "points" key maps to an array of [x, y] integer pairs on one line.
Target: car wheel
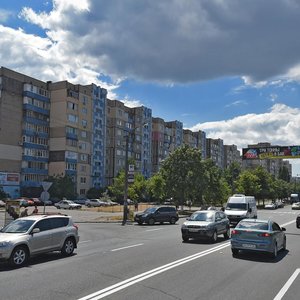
{"points": [[298, 225], [185, 238], [19, 256], [234, 251], [275, 250], [214, 237], [227, 233], [151, 221], [68, 247], [173, 220]]}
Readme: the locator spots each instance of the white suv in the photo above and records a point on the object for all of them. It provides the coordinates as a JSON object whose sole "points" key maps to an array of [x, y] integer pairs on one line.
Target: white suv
{"points": [[37, 234], [94, 203]]}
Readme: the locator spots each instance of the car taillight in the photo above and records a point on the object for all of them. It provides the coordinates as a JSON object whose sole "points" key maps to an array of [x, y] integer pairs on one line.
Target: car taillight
{"points": [[265, 234], [75, 226], [235, 232]]}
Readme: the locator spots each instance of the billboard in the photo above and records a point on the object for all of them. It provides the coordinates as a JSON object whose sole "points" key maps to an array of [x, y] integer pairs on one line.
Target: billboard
{"points": [[272, 152], [9, 178]]}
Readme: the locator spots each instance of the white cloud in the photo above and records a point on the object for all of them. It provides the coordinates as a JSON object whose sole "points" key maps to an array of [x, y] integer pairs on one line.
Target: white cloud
{"points": [[280, 126], [166, 41], [131, 102], [237, 103], [5, 15]]}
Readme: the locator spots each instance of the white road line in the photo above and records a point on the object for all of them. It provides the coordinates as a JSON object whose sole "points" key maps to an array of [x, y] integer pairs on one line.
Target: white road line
{"points": [[118, 249], [154, 229], [288, 223], [287, 285], [131, 281], [87, 241]]}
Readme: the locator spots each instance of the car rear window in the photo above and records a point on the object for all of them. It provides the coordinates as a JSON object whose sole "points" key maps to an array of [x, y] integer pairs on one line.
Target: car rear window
{"points": [[254, 225], [59, 222]]}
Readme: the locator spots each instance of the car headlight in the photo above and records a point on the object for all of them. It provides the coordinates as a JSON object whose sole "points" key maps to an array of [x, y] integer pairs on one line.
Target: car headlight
{"points": [[4, 244]]}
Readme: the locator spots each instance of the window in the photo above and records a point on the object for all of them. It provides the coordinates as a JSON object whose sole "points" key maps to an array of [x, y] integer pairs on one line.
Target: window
{"points": [[82, 191], [72, 106], [72, 118], [276, 227], [84, 123], [83, 134], [83, 157], [82, 180], [59, 222], [43, 225], [84, 111]]}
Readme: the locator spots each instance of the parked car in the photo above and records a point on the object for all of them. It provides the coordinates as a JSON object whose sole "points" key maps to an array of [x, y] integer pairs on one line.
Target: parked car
{"points": [[270, 206], [157, 214], [280, 204], [37, 234], [94, 203], [258, 235], [67, 204], [298, 221], [80, 201], [296, 205], [206, 224], [2, 203], [37, 201]]}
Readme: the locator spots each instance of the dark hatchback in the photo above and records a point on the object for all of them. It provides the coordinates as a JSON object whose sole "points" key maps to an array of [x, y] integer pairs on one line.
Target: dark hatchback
{"points": [[159, 214]]}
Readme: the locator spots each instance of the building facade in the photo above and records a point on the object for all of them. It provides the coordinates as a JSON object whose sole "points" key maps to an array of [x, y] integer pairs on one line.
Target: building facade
{"points": [[215, 151]]}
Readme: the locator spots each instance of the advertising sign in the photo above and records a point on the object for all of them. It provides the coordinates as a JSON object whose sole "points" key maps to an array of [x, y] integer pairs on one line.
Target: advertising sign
{"points": [[9, 178], [12, 211], [286, 152]]}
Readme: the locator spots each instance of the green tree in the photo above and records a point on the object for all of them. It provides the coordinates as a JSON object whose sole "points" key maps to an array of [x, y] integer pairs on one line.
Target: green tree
{"points": [[284, 174], [217, 189], [156, 187], [137, 190], [117, 188], [95, 193], [63, 186], [231, 174], [248, 184], [180, 172], [265, 182]]}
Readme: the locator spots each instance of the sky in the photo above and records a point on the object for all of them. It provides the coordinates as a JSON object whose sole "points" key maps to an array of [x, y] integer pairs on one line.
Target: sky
{"points": [[228, 67]]}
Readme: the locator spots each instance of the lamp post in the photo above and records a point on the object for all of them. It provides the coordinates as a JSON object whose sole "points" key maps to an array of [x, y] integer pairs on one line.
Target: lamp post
{"points": [[125, 203]]}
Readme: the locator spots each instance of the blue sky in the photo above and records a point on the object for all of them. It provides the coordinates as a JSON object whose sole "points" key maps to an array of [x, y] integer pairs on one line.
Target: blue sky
{"points": [[230, 68]]}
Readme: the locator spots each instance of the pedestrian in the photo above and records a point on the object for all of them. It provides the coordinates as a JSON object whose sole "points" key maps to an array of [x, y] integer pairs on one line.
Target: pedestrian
{"points": [[136, 206], [35, 211], [24, 213]]}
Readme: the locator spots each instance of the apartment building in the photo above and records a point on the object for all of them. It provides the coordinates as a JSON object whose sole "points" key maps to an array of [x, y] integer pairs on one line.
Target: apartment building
{"points": [[195, 140], [215, 151], [161, 142], [132, 124], [174, 134], [24, 133], [231, 155]]}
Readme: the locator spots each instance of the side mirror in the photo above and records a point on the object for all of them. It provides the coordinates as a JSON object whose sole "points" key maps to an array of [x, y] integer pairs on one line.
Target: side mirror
{"points": [[283, 229], [35, 230]]}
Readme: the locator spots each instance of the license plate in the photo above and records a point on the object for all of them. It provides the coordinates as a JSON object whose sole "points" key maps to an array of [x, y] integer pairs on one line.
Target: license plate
{"points": [[193, 230], [249, 246]]}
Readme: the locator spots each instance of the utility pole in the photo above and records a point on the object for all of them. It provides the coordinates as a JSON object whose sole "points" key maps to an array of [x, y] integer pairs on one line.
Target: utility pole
{"points": [[125, 203]]}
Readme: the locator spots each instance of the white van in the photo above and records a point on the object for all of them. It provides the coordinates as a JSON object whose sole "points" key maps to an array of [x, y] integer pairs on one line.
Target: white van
{"points": [[240, 207]]}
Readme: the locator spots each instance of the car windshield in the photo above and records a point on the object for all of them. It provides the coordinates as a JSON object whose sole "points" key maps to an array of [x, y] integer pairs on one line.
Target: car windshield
{"points": [[202, 216], [237, 206], [18, 226], [150, 210], [253, 225]]}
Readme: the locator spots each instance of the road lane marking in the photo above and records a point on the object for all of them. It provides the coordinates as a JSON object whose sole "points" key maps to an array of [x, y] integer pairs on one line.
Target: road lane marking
{"points": [[154, 229], [131, 281], [288, 223], [131, 246], [87, 241], [141, 277], [287, 285]]}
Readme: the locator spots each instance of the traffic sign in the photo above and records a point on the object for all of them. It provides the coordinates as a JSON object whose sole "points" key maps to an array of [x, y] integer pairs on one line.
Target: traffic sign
{"points": [[46, 185], [45, 196]]}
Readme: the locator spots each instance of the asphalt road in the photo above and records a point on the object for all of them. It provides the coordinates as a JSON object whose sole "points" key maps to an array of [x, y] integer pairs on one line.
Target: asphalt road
{"points": [[151, 262]]}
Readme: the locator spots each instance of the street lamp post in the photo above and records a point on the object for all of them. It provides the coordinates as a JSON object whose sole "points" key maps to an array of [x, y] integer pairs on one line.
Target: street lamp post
{"points": [[125, 203]]}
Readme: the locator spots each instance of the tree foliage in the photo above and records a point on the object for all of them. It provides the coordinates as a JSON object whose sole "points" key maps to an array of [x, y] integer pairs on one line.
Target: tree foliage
{"points": [[63, 186]]}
